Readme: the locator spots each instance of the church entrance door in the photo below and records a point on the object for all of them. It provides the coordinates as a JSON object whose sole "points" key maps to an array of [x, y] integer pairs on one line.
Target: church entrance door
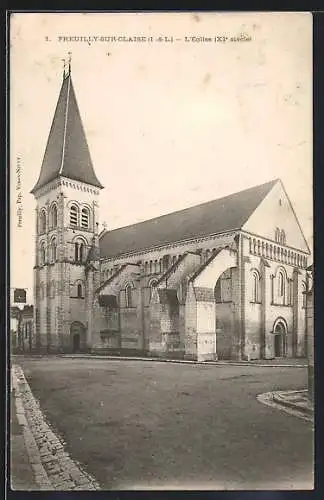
{"points": [[280, 339], [76, 342], [77, 332]]}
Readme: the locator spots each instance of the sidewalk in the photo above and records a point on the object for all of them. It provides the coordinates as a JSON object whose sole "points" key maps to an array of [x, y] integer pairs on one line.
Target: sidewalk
{"points": [[39, 460], [295, 403], [297, 400], [21, 473]]}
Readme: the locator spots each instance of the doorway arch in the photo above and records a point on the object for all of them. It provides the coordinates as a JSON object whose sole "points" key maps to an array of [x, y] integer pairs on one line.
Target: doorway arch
{"points": [[77, 333], [280, 338]]}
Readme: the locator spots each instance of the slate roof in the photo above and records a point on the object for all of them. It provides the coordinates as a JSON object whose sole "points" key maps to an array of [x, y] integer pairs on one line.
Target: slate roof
{"points": [[67, 152], [217, 216]]}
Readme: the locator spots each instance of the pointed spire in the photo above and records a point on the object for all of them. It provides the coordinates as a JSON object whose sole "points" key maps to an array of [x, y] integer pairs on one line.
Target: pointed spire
{"points": [[67, 152]]}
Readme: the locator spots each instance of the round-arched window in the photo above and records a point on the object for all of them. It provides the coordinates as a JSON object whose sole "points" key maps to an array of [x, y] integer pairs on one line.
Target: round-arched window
{"points": [[54, 216], [74, 215], [85, 218], [255, 286], [128, 296], [42, 222], [79, 250], [281, 284]]}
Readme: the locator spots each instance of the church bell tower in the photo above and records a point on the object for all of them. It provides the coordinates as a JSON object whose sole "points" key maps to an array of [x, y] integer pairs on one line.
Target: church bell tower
{"points": [[66, 236]]}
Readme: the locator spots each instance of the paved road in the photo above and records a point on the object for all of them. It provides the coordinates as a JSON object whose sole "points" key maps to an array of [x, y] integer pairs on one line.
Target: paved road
{"points": [[158, 425]]}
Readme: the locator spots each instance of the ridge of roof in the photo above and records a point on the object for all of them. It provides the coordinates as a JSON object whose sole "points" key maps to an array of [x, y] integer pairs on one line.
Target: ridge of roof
{"points": [[67, 153], [224, 214]]}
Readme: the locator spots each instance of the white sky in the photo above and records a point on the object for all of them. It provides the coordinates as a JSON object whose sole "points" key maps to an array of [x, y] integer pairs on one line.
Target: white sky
{"points": [[168, 125]]}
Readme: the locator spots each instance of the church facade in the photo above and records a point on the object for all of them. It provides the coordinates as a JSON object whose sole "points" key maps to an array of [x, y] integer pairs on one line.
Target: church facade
{"points": [[222, 280]]}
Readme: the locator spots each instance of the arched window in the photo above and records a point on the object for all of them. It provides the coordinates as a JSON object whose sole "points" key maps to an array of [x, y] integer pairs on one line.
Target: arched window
{"points": [[53, 250], [74, 215], [42, 222], [281, 284], [54, 216], [79, 291], [79, 251], [128, 296], [255, 286], [85, 218], [152, 285], [42, 254], [283, 237]]}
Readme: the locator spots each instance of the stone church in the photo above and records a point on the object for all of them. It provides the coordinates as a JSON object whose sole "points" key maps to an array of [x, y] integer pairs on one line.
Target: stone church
{"points": [[222, 280]]}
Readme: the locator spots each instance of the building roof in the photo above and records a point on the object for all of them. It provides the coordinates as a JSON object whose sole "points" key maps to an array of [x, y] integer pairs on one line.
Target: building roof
{"points": [[67, 152], [217, 216]]}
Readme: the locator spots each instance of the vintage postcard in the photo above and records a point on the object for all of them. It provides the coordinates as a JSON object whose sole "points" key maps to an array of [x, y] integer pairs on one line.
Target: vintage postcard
{"points": [[161, 246]]}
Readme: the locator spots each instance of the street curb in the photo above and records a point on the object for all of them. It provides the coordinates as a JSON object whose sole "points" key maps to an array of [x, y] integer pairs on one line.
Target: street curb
{"points": [[271, 399], [181, 361], [53, 468], [279, 398]]}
